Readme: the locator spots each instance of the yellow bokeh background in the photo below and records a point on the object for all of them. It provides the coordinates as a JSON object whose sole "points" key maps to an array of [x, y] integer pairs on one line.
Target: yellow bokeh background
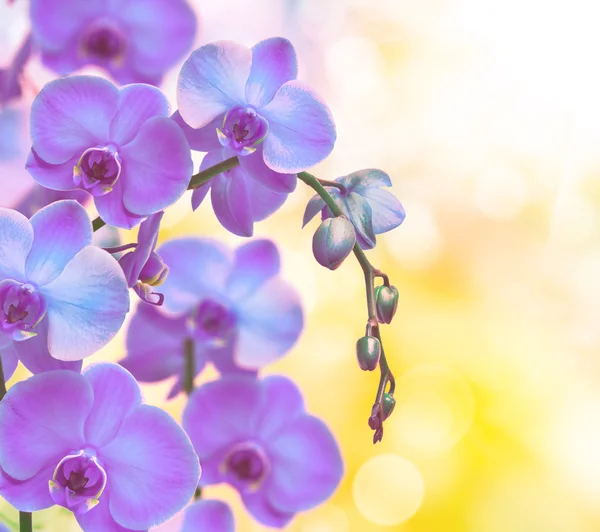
{"points": [[486, 115]]}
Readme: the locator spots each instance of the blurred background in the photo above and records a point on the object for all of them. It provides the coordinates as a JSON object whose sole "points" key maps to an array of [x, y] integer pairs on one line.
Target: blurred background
{"points": [[486, 115]]}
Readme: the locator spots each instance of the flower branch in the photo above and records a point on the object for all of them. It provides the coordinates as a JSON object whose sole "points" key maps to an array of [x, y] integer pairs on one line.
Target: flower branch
{"points": [[370, 273]]}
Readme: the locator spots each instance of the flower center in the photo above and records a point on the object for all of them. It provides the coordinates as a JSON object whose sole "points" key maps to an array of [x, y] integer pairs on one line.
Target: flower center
{"points": [[213, 322], [104, 44], [78, 482], [243, 130], [245, 466], [22, 307], [97, 170]]}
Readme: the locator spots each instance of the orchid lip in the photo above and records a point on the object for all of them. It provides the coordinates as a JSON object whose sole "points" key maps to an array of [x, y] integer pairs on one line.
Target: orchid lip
{"points": [[243, 130], [212, 322], [246, 466], [103, 43], [97, 170], [78, 481], [22, 307]]}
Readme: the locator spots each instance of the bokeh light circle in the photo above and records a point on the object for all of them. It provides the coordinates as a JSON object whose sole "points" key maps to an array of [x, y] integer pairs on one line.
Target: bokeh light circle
{"points": [[388, 489], [434, 409]]}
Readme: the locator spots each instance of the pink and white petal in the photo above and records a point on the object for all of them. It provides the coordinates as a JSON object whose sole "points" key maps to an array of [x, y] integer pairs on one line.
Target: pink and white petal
{"points": [[256, 168], [16, 239], [301, 129], [221, 413], [70, 115], [264, 512], [87, 304], [172, 23], [53, 176], [41, 419], [269, 324], [112, 209], [55, 22], [273, 64], [255, 263], [116, 394], [201, 139], [388, 212], [365, 179], [264, 201], [208, 515], [34, 355], [307, 465], [314, 205], [137, 103], [153, 468], [283, 405], [199, 194], [231, 202], [198, 268], [213, 80], [157, 166], [99, 519], [29, 495], [60, 231]]}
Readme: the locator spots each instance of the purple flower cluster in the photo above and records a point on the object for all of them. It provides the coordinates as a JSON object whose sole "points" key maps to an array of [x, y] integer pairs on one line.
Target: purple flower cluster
{"points": [[120, 146], [237, 101], [135, 41], [84, 440], [234, 307]]}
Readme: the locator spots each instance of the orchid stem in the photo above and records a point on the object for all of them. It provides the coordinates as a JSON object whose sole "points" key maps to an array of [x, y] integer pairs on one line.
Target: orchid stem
{"points": [[97, 223], [2, 383], [205, 175], [196, 180], [334, 184], [188, 365], [25, 522], [370, 273]]}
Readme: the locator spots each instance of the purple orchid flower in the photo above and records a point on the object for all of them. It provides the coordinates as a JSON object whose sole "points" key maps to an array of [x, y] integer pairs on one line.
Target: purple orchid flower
{"points": [[235, 307], [50, 272], [207, 515], [371, 210], [85, 442], [143, 268], [118, 145], [237, 101], [256, 436], [135, 41]]}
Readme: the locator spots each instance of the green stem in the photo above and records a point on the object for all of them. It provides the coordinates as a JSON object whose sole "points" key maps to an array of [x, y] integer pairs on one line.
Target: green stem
{"points": [[25, 524], [2, 383], [334, 184], [97, 223], [195, 181], [188, 365], [202, 177], [370, 273]]}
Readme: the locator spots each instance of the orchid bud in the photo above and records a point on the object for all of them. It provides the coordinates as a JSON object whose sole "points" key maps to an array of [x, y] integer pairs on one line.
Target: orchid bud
{"points": [[386, 298], [333, 241], [388, 405], [154, 271], [368, 351]]}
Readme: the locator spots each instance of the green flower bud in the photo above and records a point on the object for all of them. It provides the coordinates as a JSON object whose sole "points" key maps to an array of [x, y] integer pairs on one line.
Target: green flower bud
{"points": [[368, 351], [388, 405], [333, 241], [386, 299]]}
